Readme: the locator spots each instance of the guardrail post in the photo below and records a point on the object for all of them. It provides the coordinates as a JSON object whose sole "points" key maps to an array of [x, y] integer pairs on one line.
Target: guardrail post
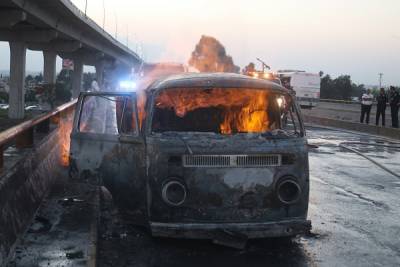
{"points": [[1, 156], [25, 139]]}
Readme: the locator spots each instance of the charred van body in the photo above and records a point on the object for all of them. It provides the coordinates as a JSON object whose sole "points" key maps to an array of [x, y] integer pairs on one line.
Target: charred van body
{"points": [[199, 154]]}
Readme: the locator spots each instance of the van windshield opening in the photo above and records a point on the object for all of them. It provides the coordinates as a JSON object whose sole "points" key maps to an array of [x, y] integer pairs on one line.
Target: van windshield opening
{"points": [[219, 110]]}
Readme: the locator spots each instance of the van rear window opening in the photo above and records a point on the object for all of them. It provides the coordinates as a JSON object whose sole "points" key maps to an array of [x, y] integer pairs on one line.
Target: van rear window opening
{"points": [[218, 110]]}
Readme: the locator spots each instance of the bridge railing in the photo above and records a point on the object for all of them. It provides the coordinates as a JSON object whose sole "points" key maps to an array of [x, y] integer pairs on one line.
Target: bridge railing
{"points": [[347, 102], [339, 101], [23, 134]]}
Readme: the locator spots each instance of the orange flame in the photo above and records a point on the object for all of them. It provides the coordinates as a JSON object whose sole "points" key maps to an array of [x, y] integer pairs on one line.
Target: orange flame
{"points": [[141, 106], [64, 132], [245, 110], [151, 73]]}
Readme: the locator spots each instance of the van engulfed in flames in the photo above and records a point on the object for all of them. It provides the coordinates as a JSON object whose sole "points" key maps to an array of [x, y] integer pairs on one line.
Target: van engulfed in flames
{"points": [[241, 111], [219, 156]]}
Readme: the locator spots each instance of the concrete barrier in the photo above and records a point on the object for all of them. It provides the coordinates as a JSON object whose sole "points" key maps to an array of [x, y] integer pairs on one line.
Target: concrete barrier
{"points": [[353, 126], [22, 189], [344, 111]]}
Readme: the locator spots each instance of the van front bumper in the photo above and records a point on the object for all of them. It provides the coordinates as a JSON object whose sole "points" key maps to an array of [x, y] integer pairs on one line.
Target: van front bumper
{"points": [[211, 230]]}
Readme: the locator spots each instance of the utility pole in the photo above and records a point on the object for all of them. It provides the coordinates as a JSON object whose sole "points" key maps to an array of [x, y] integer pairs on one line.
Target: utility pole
{"points": [[380, 80], [104, 14], [116, 24], [127, 35], [85, 7]]}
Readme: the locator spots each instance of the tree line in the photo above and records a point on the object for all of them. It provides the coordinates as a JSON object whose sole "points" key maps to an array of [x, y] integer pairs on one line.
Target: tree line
{"points": [[57, 93], [342, 88]]}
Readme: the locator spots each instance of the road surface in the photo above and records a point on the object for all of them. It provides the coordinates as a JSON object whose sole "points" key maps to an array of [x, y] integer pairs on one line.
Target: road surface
{"points": [[354, 208]]}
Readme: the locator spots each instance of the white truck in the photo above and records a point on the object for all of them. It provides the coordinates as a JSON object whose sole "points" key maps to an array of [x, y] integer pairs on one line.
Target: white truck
{"points": [[306, 85]]}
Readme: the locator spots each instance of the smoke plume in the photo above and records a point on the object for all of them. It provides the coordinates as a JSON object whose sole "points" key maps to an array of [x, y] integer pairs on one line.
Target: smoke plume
{"points": [[210, 56]]}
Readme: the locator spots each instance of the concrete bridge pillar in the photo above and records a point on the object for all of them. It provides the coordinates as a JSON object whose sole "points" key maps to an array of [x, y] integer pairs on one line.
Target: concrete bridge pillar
{"points": [[77, 77], [100, 73], [49, 68], [17, 80]]}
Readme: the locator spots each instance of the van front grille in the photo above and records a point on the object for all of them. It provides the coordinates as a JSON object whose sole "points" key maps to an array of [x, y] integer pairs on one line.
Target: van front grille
{"points": [[221, 161]]}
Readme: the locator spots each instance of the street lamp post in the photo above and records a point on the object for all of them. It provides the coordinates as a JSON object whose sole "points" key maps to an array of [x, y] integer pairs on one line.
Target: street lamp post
{"points": [[116, 24], [104, 14]]}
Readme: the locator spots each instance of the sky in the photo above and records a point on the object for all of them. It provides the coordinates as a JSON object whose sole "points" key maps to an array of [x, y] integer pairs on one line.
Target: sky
{"points": [[359, 38]]}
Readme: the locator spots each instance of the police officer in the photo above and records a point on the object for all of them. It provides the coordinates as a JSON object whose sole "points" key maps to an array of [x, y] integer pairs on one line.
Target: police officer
{"points": [[394, 101], [366, 104], [381, 106]]}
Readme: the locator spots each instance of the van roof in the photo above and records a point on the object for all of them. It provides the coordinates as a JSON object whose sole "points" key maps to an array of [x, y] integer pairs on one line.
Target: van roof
{"points": [[220, 80]]}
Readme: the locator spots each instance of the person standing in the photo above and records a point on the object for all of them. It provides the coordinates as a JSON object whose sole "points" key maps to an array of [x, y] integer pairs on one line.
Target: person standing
{"points": [[366, 104], [381, 106], [95, 86], [394, 101]]}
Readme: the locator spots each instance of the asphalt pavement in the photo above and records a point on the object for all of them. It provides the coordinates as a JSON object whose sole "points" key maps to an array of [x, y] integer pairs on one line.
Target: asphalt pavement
{"points": [[354, 208], [61, 234], [354, 204]]}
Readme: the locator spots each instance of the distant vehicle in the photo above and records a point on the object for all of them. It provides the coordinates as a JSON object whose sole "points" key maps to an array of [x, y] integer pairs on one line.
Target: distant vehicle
{"points": [[355, 99], [150, 72], [4, 106], [33, 107], [306, 85], [265, 75]]}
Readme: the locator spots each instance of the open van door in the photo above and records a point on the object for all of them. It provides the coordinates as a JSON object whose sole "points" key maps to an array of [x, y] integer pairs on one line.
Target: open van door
{"points": [[108, 147]]}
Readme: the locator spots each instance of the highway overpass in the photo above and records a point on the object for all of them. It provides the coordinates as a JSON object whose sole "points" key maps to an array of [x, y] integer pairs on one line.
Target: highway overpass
{"points": [[57, 27]]}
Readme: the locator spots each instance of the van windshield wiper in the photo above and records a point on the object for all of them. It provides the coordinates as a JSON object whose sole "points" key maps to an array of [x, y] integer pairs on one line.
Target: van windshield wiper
{"points": [[183, 141], [186, 144]]}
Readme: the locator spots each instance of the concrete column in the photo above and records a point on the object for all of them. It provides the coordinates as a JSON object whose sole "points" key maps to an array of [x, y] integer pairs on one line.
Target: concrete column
{"points": [[49, 68], [77, 77], [17, 80], [100, 73]]}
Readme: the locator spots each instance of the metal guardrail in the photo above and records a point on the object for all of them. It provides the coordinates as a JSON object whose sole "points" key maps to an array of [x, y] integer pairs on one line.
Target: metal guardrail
{"points": [[353, 126], [339, 101], [23, 134], [345, 101]]}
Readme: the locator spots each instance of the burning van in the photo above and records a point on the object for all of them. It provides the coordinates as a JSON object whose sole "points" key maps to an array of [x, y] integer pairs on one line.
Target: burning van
{"points": [[209, 156]]}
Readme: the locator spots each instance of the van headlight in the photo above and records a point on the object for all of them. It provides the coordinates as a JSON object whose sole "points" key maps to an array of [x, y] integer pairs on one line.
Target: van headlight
{"points": [[174, 193], [288, 190]]}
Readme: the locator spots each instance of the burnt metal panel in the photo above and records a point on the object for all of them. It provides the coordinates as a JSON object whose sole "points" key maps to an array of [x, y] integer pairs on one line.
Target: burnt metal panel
{"points": [[219, 80], [225, 194]]}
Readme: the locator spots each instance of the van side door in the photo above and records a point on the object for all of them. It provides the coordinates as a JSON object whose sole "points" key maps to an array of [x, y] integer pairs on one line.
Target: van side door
{"points": [[107, 146]]}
